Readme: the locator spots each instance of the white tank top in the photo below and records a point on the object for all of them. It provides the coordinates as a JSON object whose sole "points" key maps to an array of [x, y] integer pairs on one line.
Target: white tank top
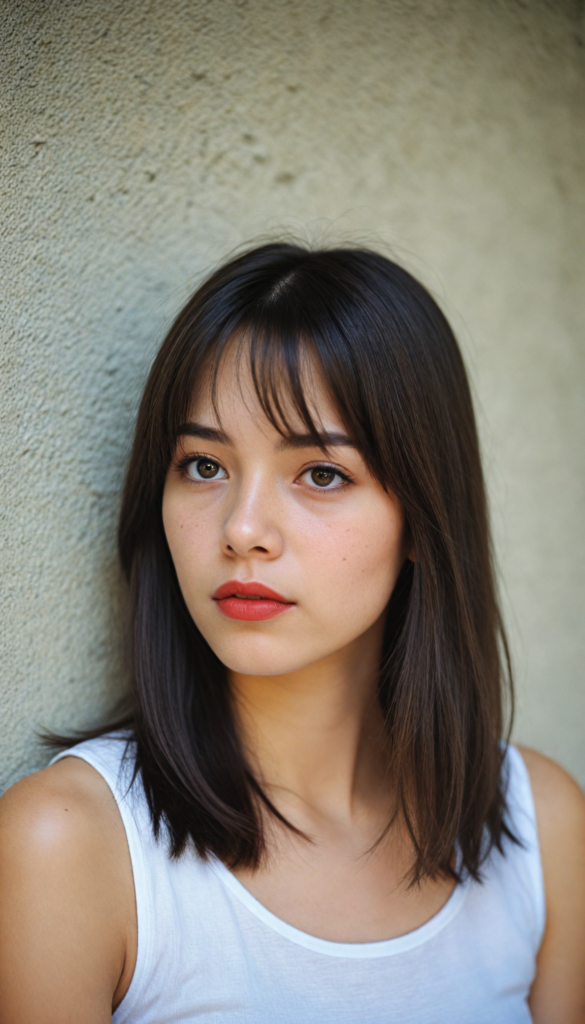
{"points": [[209, 952]]}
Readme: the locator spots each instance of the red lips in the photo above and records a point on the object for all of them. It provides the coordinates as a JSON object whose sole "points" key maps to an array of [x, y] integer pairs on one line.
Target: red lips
{"points": [[250, 602]]}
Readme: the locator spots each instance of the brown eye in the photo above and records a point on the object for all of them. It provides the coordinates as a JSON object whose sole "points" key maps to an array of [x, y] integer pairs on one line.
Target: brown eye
{"points": [[205, 469], [322, 477]]}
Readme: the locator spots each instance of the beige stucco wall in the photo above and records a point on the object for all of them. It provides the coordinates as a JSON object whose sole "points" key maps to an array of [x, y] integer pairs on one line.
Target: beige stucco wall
{"points": [[144, 139]]}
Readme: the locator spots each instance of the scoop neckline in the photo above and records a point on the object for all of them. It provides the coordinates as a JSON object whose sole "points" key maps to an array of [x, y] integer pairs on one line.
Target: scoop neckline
{"points": [[349, 950]]}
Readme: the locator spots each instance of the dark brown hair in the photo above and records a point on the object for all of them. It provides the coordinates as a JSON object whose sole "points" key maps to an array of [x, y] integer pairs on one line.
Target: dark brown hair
{"points": [[396, 375]]}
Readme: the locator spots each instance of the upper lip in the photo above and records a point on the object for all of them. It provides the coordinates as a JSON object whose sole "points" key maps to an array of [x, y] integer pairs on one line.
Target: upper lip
{"points": [[237, 587]]}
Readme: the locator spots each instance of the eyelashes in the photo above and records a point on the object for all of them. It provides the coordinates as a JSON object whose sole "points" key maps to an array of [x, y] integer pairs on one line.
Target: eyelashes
{"points": [[208, 469], [199, 468], [322, 474]]}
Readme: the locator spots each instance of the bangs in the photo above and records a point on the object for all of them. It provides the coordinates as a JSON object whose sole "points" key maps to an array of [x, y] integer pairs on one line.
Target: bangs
{"points": [[298, 335], [285, 371]]}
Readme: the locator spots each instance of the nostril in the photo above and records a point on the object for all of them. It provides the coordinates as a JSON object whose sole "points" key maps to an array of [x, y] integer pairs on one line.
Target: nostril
{"points": [[257, 547]]}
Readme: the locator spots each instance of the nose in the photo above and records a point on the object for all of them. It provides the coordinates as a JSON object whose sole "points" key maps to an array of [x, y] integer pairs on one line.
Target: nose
{"points": [[251, 526]]}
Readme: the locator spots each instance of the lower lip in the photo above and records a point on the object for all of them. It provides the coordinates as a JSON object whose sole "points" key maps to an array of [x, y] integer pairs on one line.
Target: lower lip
{"points": [[250, 609]]}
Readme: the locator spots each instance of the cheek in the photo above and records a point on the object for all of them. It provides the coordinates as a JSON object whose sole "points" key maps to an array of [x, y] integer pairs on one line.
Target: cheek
{"points": [[189, 540], [355, 563]]}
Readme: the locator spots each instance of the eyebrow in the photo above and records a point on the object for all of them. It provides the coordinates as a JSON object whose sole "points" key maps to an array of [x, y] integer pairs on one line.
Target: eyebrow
{"points": [[319, 440], [206, 433], [326, 439]]}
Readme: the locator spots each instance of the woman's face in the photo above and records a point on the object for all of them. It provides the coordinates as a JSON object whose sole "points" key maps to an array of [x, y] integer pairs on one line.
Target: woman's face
{"points": [[249, 515]]}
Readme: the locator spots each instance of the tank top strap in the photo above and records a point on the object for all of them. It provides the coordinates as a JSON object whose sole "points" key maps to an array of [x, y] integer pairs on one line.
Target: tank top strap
{"points": [[521, 817], [112, 756]]}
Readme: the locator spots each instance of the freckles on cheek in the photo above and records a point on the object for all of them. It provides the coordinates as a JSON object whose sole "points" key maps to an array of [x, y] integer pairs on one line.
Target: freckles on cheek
{"points": [[183, 535], [343, 553], [371, 551], [190, 554]]}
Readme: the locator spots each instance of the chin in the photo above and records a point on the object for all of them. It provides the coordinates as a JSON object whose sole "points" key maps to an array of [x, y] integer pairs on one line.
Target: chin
{"points": [[256, 657]]}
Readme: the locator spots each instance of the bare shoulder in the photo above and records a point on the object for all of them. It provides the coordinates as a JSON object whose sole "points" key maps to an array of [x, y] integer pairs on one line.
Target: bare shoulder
{"points": [[39, 803], [67, 913], [559, 801], [558, 992], [62, 825], [64, 814]]}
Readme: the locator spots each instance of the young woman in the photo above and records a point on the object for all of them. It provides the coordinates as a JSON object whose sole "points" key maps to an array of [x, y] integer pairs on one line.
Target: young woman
{"points": [[309, 811]]}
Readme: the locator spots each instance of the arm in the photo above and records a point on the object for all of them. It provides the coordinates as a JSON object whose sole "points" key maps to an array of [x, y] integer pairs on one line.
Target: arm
{"points": [[67, 911], [558, 992]]}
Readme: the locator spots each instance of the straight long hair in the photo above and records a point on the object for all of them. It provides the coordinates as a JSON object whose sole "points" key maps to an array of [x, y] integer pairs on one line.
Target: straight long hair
{"points": [[397, 378]]}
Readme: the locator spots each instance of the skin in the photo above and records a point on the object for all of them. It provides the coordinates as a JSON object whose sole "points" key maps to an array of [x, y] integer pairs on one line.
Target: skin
{"points": [[304, 691]]}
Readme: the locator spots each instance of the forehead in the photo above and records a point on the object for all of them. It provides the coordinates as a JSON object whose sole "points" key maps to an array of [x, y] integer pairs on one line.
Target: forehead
{"points": [[263, 395]]}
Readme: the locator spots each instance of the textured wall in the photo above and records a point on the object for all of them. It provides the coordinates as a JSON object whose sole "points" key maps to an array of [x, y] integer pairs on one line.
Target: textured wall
{"points": [[144, 139]]}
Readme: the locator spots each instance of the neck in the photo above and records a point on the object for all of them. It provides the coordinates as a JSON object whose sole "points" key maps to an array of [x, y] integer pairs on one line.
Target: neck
{"points": [[315, 737]]}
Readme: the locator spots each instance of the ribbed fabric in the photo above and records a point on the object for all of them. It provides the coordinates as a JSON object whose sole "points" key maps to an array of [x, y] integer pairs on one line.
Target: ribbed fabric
{"points": [[209, 952]]}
